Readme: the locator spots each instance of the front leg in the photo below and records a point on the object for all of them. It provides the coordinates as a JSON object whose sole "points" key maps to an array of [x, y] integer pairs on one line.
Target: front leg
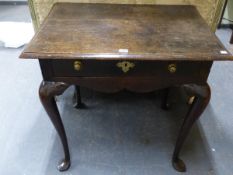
{"points": [[201, 100], [47, 92]]}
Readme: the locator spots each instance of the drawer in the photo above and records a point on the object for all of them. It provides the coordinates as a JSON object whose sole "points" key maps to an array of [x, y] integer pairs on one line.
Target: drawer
{"points": [[98, 68]]}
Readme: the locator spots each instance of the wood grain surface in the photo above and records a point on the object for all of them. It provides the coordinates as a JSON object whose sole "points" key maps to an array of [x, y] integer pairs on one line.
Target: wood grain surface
{"points": [[148, 32], [210, 10]]}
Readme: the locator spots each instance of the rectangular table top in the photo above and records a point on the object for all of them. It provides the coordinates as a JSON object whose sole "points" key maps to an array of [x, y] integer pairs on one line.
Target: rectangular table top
{"points": [[113, 31]]}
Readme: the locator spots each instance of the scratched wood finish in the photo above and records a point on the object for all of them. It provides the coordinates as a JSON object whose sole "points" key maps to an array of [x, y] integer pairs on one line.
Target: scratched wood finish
{"points": [[209, 9], [149, 32]]}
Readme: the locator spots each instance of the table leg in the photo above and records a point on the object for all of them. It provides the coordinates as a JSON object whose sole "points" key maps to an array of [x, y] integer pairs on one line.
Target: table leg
{"points": [[77, 99], [166, 104], [202, 97], [47, 92], [231, 41]]}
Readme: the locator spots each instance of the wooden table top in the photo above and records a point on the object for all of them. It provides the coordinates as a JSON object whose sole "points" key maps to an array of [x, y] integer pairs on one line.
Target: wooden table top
{"points": [[113, 31]]}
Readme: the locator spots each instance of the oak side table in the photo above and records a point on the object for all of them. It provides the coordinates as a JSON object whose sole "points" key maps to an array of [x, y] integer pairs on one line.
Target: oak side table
{"points": [[110, 47]]}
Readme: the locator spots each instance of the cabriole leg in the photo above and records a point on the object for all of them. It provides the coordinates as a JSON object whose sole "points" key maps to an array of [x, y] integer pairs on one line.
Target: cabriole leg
{"points": [[47, 91], [202, 97], [77, 99]]}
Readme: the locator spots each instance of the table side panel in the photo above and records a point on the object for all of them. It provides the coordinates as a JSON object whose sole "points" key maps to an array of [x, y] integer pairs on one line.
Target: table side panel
{"points": [[145, 76]]}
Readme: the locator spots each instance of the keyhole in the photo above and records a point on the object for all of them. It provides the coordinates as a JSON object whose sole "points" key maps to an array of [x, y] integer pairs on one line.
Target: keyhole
{"points": [[126, 64]]}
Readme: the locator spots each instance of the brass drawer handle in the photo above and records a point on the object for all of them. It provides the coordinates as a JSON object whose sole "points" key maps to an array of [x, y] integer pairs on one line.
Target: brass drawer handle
{"points": [[172, 68], [77, 65], [125, 66]]}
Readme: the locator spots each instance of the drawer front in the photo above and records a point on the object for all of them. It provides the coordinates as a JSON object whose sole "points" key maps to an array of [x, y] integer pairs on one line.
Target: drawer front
{"points": [[97, 68]]}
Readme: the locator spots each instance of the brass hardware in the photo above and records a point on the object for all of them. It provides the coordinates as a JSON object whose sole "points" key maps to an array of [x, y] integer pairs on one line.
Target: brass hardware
{"points": [[125, 66], [191, 100], [77, 65], [172, 68]]}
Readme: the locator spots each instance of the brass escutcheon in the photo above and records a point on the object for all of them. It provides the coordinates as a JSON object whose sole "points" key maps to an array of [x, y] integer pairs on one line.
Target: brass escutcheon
{"points": [[125, 66], [172, 68], [77, 65], [191, 100]]}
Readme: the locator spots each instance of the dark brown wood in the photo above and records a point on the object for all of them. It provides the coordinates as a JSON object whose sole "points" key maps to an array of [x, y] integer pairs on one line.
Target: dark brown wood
{"points": [[78, 104], [202, 97], [149, 32], [166, 105], [110, 47], [46, 69], [90, 68], [231, 41], [115, 84], [47, 91]]}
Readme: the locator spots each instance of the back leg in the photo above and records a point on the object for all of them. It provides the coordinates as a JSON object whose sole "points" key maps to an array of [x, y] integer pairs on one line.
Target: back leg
{"points": [[77, 103], [166, 103]]}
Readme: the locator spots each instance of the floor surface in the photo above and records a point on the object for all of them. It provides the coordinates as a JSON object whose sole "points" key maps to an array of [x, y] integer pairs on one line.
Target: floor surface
{"points": [[119, 134]]}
